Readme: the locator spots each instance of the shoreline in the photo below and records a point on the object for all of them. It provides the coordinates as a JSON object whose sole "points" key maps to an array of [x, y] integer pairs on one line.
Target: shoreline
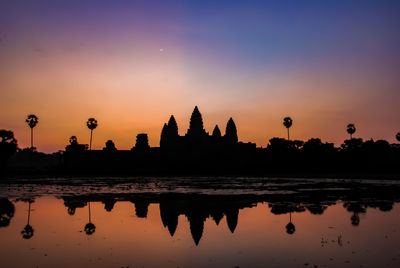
{"points": [[35, 174]]}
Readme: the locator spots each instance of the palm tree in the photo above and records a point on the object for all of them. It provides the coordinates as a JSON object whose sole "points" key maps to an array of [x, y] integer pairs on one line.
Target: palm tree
{"points": [[351, 129], [287, 122], [27, 232], [32, 120], [398, 136], [91, 124], [90, 228]]}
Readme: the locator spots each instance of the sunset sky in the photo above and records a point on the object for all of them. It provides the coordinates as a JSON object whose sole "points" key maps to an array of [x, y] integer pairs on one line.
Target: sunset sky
{"points": [[131, 64]]}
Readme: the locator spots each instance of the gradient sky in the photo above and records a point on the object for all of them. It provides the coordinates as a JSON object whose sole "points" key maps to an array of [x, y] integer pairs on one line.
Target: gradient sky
{"points": [[131, 64]]}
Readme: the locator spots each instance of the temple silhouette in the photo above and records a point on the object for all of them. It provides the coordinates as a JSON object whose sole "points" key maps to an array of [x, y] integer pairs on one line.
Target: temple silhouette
{"points": [[199, 152], [194, 152], [196, 139]]}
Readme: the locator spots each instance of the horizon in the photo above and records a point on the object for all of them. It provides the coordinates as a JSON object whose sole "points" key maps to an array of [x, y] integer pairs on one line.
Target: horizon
{"points": [[223, 132], [132, 65]]}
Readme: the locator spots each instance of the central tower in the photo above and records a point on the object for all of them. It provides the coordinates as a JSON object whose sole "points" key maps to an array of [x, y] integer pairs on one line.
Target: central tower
{"points": [[196, 128]]}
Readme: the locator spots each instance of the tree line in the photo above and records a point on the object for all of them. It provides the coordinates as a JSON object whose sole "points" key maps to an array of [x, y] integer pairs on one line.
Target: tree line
{"points": [[278, 149]]}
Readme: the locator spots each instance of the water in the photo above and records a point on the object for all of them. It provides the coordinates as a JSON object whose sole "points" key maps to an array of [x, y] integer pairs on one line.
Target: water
{"points": [[266, 224]]}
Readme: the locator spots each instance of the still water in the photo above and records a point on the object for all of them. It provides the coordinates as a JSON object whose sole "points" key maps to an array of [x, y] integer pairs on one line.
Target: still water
{"points": [[341, 226]]}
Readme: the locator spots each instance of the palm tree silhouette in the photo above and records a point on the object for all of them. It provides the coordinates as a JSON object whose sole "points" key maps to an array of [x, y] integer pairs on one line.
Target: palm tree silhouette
{"points": [[351, 129], [290, 228], [28, 231], [32, 120], [287, 122], [398, 136], [90, 228], [91, 124]]}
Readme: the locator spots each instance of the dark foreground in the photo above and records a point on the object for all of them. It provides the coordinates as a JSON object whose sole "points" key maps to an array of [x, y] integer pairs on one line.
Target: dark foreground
{"points": [[285, 158]]}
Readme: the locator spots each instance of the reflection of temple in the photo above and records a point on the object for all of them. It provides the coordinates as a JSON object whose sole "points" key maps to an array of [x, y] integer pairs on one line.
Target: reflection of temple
{"points": [[282, 198], [197, 211], [141, 208], [198, 208]]}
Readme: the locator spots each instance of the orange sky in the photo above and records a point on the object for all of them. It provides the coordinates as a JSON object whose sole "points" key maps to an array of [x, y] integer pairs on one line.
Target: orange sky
{"points": [[127, 100], [65, 92], [131, 73]]}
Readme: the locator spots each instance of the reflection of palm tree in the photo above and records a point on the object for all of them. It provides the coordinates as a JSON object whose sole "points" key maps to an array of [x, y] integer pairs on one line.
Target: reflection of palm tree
{"points": [[32, 120], [27, 232], [351, 129], [287, 122], [398, 136], [91, 124], [90, 228], [290, 228]]}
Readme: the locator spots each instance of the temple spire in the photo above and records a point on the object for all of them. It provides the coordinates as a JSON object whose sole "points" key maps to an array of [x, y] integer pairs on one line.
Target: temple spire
{"points": [[163, 138], [216, 132], [196, 124], [231, 132], [172, 127], [169, 133]]}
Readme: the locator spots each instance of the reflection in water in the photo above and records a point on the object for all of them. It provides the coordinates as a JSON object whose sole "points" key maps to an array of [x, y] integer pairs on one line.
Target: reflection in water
{"points": [[90, 228], [290, 228], [7, 210], [27, 232], [74, 203], [357, 209], [191, 230], [198, 208], [109, 204], [141, 208]]}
